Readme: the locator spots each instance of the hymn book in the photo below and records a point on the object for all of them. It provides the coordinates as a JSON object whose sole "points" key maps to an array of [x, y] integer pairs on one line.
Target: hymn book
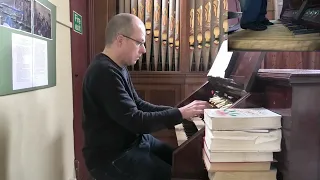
{"points": [[241, 141], [235, 166], [241, 119], [217, 157], [253, 175]]}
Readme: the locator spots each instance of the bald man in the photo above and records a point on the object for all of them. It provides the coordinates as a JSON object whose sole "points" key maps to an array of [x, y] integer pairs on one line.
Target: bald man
{"points": [[117, 122], [254, 15]]}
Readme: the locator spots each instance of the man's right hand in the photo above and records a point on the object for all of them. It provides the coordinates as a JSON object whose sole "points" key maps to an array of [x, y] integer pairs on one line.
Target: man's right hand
{"points": [[194, 109]]}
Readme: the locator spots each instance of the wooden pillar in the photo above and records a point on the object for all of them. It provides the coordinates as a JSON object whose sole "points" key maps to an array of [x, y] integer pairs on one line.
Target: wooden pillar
{"points": [[184, 35], [100, 12], [91, 33]]}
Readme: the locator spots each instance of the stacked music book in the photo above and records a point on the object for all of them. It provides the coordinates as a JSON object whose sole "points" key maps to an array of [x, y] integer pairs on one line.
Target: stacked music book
{"points": [[239, 143]]}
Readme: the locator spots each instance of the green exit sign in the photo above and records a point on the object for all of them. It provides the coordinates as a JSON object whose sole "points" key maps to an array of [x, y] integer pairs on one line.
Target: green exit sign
{"points": [[77, 22]]}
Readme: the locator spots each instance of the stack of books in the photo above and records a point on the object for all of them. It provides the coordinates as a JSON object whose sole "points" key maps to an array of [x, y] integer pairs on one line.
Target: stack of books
{"points": [[239, 143]]}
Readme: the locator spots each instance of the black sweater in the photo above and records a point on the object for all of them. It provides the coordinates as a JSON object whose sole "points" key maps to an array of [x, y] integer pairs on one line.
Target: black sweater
{"points": [[114, 115]]}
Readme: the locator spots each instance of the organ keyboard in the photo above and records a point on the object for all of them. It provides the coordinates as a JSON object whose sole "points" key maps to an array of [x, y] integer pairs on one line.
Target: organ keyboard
{"points": [[298, 29], [187, 129]]}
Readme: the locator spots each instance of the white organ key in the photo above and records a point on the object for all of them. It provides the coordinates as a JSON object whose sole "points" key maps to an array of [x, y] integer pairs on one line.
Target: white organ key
{"points": [[181, 135], [198, 122]]}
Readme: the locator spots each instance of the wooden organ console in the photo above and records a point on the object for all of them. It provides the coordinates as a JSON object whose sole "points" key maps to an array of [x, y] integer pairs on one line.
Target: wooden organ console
{"points": [[292, 93], [298, 29]]}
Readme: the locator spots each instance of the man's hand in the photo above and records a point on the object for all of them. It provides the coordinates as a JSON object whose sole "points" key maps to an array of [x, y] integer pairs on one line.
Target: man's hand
{"points": [[194, 109]]}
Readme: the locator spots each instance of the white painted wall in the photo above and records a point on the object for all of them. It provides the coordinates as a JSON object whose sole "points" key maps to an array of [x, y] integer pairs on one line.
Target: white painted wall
{"points": [[36, 131]]}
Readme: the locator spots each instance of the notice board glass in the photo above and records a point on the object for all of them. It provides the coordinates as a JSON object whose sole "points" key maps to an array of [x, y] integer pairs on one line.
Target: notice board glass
{"points": [[27, 45]]}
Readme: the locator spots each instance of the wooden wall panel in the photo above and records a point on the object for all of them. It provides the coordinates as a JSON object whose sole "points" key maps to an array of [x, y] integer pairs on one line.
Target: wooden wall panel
{"points": [[292, 60], [164, 94], [166, 88], [160, 96]]}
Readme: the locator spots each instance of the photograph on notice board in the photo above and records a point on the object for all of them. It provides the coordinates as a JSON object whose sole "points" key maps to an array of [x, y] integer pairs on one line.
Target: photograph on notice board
{"points": [[16, 14], [42, 20]]}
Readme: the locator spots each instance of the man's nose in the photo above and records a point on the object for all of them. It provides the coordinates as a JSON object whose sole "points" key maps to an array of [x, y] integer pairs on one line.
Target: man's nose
{"points": [[143, 49]]}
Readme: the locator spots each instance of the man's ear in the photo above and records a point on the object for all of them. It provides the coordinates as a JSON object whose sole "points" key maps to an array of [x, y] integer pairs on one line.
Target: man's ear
{"points": [[119, 40]]}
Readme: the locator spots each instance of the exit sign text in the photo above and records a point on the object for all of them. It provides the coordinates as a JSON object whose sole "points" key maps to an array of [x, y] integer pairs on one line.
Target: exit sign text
{"points": [[77, 22]]}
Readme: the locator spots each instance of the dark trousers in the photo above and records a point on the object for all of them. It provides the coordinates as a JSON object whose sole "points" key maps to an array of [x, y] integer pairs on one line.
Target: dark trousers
{"points": [[151, 159], [254, 11]]}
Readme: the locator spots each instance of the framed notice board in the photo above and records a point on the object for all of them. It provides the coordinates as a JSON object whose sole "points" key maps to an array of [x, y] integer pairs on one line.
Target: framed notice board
{"points": [[27, 45]]}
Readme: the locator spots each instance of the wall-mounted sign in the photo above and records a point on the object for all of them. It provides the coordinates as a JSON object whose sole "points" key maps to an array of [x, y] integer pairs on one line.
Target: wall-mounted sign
{"points": [[77, 22]]}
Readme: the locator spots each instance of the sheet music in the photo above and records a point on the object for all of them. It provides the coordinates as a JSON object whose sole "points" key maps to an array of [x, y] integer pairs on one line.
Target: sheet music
{"points": [[221, 62]]}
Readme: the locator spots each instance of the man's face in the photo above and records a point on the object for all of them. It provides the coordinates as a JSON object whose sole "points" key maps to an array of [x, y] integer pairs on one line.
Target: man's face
{"points": [[134, 47]]}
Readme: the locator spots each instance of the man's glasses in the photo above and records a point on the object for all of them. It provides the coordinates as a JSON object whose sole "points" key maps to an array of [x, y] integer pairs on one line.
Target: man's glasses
{"points": [[139, 43]]}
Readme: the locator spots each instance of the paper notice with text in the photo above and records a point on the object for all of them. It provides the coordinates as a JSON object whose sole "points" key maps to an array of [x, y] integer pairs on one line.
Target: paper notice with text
{"points": [[40, 63], [29, 62], [21, 61]]}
